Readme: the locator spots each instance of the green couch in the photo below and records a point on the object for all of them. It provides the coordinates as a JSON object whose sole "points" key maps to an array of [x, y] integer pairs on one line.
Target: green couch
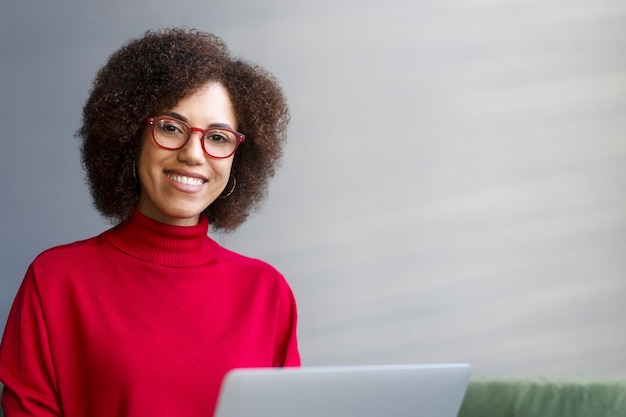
{"points": [[544, 397]]}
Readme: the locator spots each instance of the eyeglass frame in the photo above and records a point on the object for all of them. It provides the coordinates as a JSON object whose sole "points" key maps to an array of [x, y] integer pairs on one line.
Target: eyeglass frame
{"points": [[151, 121]]}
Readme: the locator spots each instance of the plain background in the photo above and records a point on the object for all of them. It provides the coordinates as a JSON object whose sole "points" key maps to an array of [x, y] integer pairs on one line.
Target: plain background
{"points": [[453, 188]]}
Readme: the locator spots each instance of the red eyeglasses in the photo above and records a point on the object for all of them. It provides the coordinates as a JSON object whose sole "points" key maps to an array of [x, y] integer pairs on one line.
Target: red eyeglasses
{"points": [[172, 134]]}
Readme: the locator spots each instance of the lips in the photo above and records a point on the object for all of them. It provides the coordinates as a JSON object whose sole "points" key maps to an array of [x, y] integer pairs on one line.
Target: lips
{"points": [[186, 180]]}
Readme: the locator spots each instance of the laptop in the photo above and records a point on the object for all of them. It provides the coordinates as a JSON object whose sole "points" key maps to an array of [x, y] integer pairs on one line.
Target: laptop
{"points": [[434, 390]]}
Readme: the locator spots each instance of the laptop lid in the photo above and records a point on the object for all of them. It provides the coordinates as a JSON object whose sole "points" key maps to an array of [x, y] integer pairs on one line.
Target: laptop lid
{"points": [[434, 390]]}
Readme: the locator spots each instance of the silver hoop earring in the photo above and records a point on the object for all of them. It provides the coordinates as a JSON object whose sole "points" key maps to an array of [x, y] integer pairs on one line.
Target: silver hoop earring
{"points": [[135, 172], [231, 189]]}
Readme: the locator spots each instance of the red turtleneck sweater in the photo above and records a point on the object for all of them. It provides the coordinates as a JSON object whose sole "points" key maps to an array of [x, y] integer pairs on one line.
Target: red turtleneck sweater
{"points": [[143, 321]]}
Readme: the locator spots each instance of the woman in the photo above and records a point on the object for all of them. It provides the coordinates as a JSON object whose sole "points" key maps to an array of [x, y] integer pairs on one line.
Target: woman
{"points": [[146, 318]]}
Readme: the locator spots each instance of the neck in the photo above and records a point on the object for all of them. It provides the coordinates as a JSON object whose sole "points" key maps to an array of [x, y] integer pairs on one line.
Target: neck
{"points": [[172, 220]]}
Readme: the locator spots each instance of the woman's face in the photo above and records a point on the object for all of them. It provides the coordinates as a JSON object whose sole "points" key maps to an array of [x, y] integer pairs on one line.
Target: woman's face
{"points": [[176, 186]]}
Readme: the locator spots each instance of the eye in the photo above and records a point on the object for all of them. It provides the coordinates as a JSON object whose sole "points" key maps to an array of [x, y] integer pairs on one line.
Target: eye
{"points": [[171, 127], [218, 137]]}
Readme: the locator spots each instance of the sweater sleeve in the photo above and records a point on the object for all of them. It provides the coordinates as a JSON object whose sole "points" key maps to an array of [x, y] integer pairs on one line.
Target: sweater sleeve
{"points": [[286, 352], [25, 360]]}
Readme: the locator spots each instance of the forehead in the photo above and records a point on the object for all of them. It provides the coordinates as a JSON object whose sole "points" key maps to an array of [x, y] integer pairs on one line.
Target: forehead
{"points": [[210, 103]]}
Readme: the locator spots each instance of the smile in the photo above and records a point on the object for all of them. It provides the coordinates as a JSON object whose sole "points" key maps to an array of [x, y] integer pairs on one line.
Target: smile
{"points": [[186, 180]]}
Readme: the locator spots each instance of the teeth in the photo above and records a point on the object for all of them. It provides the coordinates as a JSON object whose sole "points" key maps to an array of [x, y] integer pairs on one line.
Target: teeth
{"points": [[186, 180]]}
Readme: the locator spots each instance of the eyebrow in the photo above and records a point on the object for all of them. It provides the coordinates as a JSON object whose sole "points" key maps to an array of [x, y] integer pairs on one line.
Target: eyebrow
{"points": [[184, 119]]}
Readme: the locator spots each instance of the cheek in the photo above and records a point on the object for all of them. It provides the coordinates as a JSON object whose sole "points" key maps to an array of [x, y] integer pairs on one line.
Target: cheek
{"points": [[223, 169], [143, 160], [143, 165]]}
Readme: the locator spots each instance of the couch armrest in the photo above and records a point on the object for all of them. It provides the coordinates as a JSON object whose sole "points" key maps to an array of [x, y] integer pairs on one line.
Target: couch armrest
{"points": [[539, 397]]}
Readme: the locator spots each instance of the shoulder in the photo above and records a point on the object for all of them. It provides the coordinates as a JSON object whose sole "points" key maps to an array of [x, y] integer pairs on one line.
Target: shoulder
{"points": [[236, 259], [252, 268], [75, 253]]}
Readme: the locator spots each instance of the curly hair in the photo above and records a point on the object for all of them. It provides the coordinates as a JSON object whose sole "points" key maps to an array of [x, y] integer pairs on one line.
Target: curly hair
{"points": [[148, 76]]}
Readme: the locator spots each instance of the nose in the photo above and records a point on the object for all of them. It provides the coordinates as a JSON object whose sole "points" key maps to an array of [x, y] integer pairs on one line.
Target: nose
{"points": [[192, 152]]}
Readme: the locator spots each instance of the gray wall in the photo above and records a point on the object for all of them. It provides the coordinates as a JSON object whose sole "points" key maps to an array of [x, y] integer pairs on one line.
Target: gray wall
{"points": [[453, 188]]}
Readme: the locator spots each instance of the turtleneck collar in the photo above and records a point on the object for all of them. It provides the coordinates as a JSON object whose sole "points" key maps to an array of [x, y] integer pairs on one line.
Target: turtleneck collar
{"points": [[161, 243]]}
